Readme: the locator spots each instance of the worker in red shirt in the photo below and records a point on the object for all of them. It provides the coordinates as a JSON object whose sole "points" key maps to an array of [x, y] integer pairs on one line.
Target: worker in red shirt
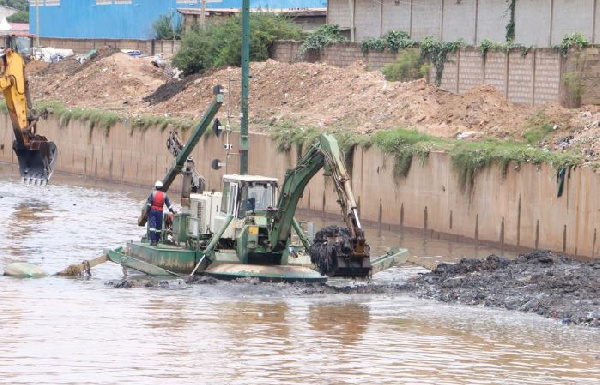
{"points": [[156, 201]]}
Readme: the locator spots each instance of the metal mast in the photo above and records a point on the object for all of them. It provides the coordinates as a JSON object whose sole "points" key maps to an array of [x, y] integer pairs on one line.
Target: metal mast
{"points": [[245, 77]]}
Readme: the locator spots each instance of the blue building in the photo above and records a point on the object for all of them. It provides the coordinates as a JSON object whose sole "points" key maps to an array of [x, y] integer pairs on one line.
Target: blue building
{"points": [[126, 19]]}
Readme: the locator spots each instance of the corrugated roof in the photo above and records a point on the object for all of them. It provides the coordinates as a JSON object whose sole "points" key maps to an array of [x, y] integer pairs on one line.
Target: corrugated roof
{"points": [[286, 11]]}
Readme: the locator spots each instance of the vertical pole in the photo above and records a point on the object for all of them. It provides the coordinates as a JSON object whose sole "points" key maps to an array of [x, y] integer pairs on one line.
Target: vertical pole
{"points": [[203, 14], [37, 23], [245, 76], [352, 21]]}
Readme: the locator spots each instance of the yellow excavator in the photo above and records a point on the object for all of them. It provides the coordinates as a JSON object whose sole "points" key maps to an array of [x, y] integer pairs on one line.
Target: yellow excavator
{"points": [[36, 154]]}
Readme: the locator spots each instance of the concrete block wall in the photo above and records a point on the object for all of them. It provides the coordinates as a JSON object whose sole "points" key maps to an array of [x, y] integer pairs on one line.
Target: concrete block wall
{"points": [[520, 78], [342, 55], [586, 65], [548, 69], [520, 208], [496, 70], [471, 70], [149, 47], [286, 51], [533, 79]]}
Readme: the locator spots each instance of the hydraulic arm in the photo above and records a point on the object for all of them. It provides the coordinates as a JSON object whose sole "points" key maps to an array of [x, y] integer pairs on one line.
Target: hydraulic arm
{"points": [[36, 155], [351, 258]]}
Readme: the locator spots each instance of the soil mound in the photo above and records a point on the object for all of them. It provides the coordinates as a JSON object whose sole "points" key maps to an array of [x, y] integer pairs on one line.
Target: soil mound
{"points": [[109, 81], [312, 95], [541, 282]]}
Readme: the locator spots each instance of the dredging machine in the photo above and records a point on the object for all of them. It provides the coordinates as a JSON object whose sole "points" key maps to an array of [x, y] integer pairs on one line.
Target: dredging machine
{"points": [[247, 229]]}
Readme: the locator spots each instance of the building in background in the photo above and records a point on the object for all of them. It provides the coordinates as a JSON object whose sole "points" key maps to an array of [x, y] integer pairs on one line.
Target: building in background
{"points": [[128, 19], [308, 19], [538, 23]]}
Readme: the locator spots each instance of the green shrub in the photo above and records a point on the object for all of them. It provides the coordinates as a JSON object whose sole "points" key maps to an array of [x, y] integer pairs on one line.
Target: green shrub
{"points": [[19, 17], [572, 40], [220, 44], [409, 66], [167, 27], [393, 41], [322, 37], [539, 128], [437, 52]]}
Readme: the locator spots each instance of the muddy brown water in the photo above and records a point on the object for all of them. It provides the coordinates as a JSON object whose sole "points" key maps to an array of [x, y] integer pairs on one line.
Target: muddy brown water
{"points": [[82, 331]]}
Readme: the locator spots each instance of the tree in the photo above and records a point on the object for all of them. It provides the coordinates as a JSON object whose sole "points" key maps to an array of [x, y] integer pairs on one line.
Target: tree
{"points": [[220, 44], [167, 28], [21, 5], [19, 17]]}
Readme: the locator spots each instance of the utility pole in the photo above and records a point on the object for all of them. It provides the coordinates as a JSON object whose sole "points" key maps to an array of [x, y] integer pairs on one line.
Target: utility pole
{"points": [[245, 77], [203, 14], [37, 23]]}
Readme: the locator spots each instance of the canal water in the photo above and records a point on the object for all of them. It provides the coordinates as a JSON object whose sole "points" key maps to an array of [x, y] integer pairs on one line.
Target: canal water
{"points": [[82, 331]]}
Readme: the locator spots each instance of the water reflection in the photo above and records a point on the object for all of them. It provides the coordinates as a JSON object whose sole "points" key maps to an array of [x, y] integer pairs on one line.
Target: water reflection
{"points": [[248, 320], [343, 323], [27, 220]]}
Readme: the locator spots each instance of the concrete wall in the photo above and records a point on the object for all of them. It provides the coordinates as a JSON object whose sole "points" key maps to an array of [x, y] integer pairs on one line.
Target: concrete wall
{"points": [[521, 209], [471, 20], [150, 47], [531, 79], [538, 23]]}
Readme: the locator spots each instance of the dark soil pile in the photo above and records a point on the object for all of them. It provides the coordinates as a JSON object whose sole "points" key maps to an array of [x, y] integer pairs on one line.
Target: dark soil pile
{"points": [[166, 91], [541, 282]]}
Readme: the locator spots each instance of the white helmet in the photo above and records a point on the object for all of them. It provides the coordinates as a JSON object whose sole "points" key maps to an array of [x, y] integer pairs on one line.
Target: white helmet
{"points": [[158, 184]]}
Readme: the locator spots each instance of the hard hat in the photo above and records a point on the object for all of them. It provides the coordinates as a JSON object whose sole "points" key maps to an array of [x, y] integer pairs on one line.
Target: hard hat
{"points": [[158, 184]]}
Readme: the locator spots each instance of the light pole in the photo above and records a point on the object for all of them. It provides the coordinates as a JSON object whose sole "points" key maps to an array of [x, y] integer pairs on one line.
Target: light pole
{"points": [[245, 76], [37, 23]]}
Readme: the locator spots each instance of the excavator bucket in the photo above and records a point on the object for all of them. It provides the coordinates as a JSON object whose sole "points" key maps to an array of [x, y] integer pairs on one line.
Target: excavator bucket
{"points": [[36, 164], [337, 254]]}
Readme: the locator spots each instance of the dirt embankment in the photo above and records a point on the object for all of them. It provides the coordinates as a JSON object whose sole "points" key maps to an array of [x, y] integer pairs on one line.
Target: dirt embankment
{"points": [[310, 95], [540, 282]]}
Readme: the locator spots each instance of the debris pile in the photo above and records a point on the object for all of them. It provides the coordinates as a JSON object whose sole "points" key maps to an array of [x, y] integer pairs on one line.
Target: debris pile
{"points": [[541, 282], [309, 94], [113, 80]]}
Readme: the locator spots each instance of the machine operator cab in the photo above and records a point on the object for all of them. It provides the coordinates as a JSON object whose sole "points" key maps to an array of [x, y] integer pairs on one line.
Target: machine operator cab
{"points": [[243, 197]]}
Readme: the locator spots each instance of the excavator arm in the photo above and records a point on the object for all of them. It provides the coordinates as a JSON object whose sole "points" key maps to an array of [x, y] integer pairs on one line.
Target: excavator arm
{"points": [[343, 253], [36, 155]]}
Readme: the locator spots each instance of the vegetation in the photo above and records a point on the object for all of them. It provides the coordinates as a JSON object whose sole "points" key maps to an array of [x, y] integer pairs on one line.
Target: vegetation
{"points": [[467, 158], [539, 128], [409, 66], [393, 41], [167, 27], [323, 36], [21, 5], [572, 40], [96, 118], [19, 17], [220, 44], [404, 145], [510, 27], [488, 45], [437, 52]]}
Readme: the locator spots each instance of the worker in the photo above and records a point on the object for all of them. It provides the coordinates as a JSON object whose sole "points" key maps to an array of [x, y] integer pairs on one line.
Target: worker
{"points": [[155, 204]]}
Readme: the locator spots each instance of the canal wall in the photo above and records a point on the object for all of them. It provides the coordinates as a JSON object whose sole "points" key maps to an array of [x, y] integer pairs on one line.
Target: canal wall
{"points": [[519, 209]]}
